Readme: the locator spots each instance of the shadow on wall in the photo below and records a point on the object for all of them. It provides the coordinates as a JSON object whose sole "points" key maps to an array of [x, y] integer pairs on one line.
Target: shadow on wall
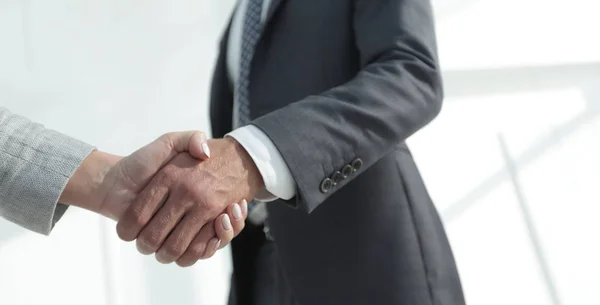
{"points": [[488, 82], [165, 284], [498, 82]]}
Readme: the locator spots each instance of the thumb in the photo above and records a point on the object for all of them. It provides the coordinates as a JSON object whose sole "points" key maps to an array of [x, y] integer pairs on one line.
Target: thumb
{"points": [[143, 164], [193, 142], [198, 146]]}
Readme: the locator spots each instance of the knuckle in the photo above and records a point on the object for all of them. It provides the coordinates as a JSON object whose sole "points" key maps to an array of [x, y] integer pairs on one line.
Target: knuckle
{"points": [[137, 218], [198, 250], [194, 191], [172, 251], [139, 222], [150, 242], [167, 176], [165, 137], [185, 191]]}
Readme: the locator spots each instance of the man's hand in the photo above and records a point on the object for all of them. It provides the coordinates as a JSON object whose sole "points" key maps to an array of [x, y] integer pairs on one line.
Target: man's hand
{"points": [[170, 214], [108, 184]]}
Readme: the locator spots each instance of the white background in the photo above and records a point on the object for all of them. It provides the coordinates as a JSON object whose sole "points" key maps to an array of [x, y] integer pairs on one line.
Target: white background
{"points": [[120, 73]]}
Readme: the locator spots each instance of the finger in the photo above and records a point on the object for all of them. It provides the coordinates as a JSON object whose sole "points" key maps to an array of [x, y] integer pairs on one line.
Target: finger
{"points": [[198, 146], [245, 208], [211, 249], [160, 226], [237, 214], [239, 223], [198, 246], [181, 141], [141, 211], [180, 239], [224, 229]]}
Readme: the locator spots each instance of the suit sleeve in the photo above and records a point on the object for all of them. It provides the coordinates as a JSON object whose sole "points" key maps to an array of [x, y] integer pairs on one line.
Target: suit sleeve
{"points": [[35, 165], [397, 92]]}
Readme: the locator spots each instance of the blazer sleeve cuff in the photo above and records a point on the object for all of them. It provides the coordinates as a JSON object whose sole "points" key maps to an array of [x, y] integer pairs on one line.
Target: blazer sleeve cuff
{"points": [[42, 161]]}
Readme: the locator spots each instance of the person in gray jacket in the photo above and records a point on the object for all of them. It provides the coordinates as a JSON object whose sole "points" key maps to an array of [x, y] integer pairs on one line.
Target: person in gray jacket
{"points": [[42, 172]]}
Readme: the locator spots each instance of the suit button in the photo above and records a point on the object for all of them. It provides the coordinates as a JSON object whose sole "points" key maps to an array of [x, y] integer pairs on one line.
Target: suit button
{"points": [[347, 170], [337, 177], [357, 164], [326, 185]]}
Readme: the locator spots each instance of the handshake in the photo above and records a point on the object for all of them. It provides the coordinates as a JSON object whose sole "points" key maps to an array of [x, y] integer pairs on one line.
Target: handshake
{"points": [[182, 196]]}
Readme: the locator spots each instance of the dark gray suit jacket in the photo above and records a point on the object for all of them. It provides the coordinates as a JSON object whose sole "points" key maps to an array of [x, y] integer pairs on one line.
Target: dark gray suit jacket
{"points": [[338, 86]]}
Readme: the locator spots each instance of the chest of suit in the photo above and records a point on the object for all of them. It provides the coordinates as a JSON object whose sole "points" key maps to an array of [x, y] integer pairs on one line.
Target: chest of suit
{"points": [[306, 48]]}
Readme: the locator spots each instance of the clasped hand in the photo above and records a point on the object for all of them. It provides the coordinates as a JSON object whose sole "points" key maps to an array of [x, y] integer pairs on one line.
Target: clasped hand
{"points": [[182, 197]]}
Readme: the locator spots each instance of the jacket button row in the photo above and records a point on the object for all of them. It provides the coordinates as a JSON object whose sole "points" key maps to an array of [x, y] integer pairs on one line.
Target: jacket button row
{"points": [[328, 183]]}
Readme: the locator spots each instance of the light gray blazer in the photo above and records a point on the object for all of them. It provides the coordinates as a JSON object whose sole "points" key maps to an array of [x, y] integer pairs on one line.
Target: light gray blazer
{"points": [[35, 165]]}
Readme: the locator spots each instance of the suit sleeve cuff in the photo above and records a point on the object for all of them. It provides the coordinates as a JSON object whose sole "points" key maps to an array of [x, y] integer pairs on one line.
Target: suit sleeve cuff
{"points": [[276, 175]]}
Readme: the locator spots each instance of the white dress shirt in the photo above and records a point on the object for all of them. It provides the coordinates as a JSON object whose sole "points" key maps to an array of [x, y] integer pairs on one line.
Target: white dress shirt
{"points": [[279, 182]]}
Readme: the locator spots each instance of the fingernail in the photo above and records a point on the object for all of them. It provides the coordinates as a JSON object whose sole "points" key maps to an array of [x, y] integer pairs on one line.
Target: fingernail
{"points": [[245, 206], [205, 148], [218, 244], [237, 212], [226, 223]]}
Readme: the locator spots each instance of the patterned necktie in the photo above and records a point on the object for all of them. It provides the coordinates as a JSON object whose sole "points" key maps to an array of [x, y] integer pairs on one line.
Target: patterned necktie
{"points": [[250, 35]]}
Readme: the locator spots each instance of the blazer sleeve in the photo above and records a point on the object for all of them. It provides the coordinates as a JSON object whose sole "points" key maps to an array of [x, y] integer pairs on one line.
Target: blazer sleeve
{"points": [[35, 165], [350, 127]]}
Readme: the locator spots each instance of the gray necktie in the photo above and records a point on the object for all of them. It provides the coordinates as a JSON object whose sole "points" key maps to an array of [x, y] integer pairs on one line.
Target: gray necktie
{"points": [[250, 35]]}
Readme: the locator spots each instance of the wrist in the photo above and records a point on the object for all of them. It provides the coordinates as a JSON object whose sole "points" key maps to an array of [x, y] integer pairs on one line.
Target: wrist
{"points": [[84, 188], [253, 175]]}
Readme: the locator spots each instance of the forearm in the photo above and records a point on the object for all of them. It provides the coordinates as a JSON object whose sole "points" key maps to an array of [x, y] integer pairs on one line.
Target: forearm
{"points": [[84, 187]]}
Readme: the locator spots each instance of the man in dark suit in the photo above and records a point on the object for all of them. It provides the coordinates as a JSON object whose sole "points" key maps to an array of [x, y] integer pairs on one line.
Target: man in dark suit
{"points": [[312, 101], [336, 87]]}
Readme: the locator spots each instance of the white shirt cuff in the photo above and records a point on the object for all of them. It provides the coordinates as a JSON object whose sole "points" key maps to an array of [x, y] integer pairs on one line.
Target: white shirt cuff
{"points": [[278, 179]]}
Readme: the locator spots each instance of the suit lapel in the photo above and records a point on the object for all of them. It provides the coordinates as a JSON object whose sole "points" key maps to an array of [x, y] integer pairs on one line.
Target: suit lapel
{"points": [[221, 93]]}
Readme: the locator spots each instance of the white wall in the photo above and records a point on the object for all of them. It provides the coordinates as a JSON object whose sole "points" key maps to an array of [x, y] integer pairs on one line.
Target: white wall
{"points": [[117, 74], [527, 71], [108, 72]]}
